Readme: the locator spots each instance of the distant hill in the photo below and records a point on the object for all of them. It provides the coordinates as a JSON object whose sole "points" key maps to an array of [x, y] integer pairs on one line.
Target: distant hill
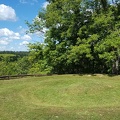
{"points": [[12, 56], [13, 53]]}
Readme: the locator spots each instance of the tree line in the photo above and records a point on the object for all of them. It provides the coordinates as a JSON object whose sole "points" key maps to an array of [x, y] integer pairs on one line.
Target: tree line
{"points": [[13, 62], [82, 36]]}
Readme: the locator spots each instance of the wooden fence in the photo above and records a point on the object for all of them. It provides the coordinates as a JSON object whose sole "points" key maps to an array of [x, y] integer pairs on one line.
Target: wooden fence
{"points": [[8, 77]]}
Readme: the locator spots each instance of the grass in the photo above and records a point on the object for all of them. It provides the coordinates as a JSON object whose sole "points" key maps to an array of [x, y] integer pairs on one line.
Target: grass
{"points": [[61, 97], [6, 55]]}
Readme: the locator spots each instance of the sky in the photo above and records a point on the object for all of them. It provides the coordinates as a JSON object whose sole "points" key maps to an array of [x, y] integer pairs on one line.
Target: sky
{"points": [[13, 14]]}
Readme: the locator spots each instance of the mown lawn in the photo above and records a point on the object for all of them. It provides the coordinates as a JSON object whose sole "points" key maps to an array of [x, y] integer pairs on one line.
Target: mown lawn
{"points": [[61, 97]]}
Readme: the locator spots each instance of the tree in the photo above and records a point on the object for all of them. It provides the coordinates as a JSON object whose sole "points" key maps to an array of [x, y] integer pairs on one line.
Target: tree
{"points": [[79, 38]]}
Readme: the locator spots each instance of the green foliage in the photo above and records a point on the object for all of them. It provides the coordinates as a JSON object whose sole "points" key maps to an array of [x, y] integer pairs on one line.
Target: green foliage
{"points": [[38, 23], [82, 36], [14, 64]]}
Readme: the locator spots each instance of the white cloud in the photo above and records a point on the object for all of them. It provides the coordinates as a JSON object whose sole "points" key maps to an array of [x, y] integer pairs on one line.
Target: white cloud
{"points": [[7, 13], [24, 43], [17, 41], [2, 47], [11, 48], [22, 30], [45, 4], [6, 36], [14, 37], [3, 42], [5, 32], [26, 37]]}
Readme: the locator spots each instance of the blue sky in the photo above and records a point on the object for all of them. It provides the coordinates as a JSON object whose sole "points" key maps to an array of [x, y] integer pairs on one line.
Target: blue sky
{"points": [[13, 14]]}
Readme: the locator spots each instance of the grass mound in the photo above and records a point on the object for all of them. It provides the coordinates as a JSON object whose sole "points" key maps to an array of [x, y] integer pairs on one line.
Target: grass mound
{"points": [[63, 97]]}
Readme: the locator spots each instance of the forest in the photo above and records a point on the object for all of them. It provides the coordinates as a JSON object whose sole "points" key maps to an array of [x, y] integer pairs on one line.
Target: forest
{"points": [[82, 36]]}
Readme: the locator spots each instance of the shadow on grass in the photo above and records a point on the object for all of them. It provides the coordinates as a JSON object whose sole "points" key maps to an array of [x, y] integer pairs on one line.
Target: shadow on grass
{"points": [[97, 74], [113, 75]]}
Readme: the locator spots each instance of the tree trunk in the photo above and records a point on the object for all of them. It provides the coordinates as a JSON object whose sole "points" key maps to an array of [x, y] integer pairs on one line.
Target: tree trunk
{"points": [[115, 67]]}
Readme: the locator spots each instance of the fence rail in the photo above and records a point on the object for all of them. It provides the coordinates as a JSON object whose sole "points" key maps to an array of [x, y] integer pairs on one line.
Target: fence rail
{"points": [[8, 77]]}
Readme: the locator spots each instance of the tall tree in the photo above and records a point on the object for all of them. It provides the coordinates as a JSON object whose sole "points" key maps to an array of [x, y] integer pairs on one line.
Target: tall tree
{"points": [[80, 36]]}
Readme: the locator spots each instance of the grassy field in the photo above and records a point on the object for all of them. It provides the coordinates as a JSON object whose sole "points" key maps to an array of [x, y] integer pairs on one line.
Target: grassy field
{"points": [[61, 97], [6, 55]]}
